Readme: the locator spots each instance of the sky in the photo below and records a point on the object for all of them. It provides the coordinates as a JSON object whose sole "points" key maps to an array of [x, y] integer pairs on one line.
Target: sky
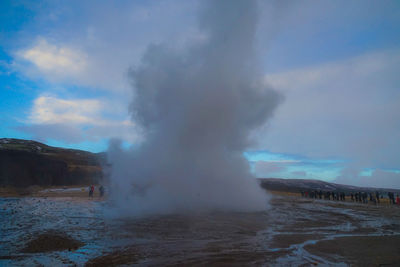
{"points": [[64, 79]]}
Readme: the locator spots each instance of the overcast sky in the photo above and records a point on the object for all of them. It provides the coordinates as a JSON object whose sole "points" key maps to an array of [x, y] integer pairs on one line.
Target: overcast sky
{"points": [[64, 79]]}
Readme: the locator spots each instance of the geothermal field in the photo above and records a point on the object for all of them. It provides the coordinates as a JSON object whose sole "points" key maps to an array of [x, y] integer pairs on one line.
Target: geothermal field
{"points": [[291, 231], [186, 112]]}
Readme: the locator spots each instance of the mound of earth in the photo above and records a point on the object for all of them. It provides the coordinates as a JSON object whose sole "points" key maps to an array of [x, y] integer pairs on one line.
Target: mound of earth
{"points": [[51, 241], [120, 257]]}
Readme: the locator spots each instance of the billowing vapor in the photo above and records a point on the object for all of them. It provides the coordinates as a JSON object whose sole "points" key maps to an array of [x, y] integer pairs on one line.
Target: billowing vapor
{"points": [[197, 107]]}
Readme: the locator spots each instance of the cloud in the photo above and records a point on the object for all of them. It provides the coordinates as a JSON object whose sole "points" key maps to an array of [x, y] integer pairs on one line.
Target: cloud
{"points": [[378, 178], [93, 45], [55, 60], [268, 169], [52, 110], [78, 120], [65, 63], [69, 134], [345, 109]]}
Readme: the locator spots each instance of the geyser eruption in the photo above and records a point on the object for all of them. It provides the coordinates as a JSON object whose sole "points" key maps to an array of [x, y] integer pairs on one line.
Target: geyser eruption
{"points": [[197, 107]]}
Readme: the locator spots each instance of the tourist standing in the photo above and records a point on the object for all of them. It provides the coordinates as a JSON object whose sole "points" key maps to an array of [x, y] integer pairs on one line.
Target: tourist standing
{"points": [[91, 190]]}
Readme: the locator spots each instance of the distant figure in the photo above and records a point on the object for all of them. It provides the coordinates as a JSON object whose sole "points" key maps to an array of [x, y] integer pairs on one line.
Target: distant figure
{"points": [[91, 191], [391, 198], [101, 189], [398, 199], [377, 196], [372, 198], [352, 197], [365, 197]]}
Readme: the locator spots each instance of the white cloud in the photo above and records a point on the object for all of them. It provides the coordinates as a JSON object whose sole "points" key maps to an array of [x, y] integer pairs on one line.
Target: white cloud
{"points": [[52, 110], [268, 168], [64, 64], [344, 71], [346, 109], [77, 120], [95, 47], [378, 178], [60, 61]]}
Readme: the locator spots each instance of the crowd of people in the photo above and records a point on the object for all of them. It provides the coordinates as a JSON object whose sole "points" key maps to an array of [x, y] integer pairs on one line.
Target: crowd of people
{"points": [[362, 197]]}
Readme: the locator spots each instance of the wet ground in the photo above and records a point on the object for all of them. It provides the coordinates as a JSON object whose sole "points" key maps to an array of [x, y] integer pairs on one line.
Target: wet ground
{"points": [[293, 232]]}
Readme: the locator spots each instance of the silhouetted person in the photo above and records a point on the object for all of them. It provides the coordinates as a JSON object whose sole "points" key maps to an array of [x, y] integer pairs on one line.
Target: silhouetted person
{"points": [[377, 196], [372, 198], [391, 198], [352, 196], [398, 199], [101, 190], [91, 190]]}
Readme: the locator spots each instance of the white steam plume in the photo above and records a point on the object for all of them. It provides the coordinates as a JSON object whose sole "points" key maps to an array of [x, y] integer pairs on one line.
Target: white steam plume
{"points": [[197, 108]]}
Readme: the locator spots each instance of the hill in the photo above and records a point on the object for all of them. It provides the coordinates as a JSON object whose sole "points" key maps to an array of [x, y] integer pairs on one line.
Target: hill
{"points": [[25, 163], [297, 185]]}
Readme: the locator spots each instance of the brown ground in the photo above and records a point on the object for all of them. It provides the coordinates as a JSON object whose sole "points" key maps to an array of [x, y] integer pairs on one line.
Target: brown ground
{"points": [[294, 231], [120, 257], [286, 240], [49, 191], [51, 241], [360, 250]]}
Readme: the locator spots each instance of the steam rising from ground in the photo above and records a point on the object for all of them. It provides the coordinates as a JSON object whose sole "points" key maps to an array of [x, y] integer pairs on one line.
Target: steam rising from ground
{"points": [[197, 107]]}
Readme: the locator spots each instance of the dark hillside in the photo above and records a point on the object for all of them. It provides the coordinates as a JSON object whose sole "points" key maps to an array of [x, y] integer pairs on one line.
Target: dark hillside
{"points": [[24, 163]]}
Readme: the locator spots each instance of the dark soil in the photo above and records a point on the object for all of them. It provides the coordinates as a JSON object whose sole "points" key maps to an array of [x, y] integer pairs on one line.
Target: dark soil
{"points": [[51, 241], [286, 240], [121, 257], [361, 250]]}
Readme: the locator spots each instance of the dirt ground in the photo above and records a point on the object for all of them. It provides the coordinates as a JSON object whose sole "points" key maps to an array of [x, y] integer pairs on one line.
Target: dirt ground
{"points": [[360, 250], [37, 191], [51, 241], [293, 231]]}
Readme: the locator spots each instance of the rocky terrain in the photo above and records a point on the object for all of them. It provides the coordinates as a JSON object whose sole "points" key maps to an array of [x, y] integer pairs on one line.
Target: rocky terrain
{"points": [[24, 163]]}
